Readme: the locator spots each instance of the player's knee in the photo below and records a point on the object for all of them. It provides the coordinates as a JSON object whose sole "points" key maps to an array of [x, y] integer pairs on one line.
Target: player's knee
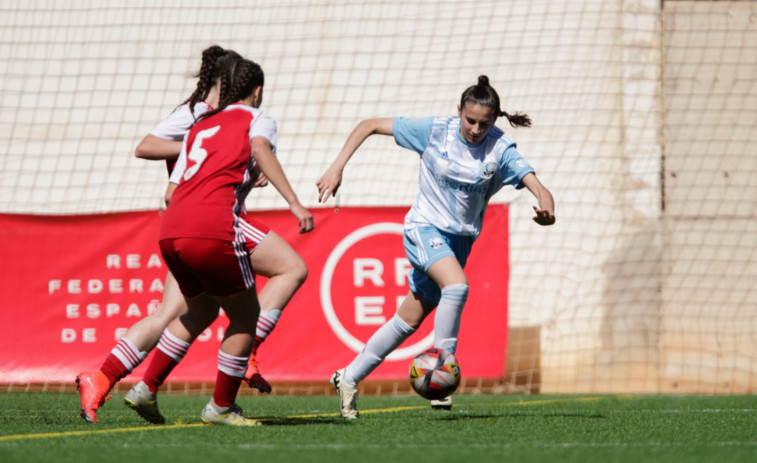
{"points": [[168, 310], [298, 271], [459, 290], [453, 280]]}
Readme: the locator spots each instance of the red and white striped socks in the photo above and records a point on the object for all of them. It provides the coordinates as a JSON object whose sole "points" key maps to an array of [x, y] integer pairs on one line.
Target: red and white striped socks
{"points": [[266, 323], [230, 374], [121, 361], [169, 353]]}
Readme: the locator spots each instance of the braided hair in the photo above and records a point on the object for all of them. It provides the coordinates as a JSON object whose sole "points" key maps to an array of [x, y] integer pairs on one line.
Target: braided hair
{"points": [[484, 94], [214, 58], [239, 79]]}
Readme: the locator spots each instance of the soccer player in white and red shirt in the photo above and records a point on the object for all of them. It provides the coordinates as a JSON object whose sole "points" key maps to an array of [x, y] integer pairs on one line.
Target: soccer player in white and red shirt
{"points": [[287, 272], [162, 143], [464, 160], [204, 239], [285, 275]]}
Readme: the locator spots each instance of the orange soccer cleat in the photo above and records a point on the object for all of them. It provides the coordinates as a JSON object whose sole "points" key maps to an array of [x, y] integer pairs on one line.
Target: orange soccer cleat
{"points": [[93, 388], [253, 376]]}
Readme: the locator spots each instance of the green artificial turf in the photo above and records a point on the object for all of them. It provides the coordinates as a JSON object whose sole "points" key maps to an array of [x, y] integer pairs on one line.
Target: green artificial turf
{"points": [[480, 428]]}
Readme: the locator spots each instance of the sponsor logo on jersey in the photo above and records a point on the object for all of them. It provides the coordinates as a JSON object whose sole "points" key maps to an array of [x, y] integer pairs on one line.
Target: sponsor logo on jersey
{"points": [[449, 184]]}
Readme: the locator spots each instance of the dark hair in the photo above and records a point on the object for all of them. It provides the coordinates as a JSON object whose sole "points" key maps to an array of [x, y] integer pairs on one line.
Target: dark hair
{"points": [[238, 80], [484, 94], [214, 58]]}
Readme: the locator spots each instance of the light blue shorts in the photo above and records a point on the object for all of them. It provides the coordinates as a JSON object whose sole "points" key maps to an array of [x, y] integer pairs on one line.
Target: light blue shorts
{"points": [[426, 245]]}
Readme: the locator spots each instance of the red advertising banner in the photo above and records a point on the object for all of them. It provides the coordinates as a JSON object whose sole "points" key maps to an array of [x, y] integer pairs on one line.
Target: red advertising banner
{"points": [[75, 284]]}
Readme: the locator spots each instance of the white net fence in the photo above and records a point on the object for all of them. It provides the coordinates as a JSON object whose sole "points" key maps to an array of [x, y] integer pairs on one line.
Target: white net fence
{"points": [[645, 123]]}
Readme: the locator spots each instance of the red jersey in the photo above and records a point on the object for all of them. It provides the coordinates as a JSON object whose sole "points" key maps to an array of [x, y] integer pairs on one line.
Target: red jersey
{"points": [[215, 172]]}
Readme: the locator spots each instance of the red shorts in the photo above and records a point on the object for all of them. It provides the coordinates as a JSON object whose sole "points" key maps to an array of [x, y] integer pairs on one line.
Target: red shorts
{"points": [[253, 232], [213, 266]]}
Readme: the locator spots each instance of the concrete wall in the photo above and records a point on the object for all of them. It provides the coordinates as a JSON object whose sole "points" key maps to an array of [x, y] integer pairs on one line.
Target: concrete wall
{"points": [[709, 284]]}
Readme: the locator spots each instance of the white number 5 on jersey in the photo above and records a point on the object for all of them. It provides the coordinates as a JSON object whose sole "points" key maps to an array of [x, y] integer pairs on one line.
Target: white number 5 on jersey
{"points": [[198, 153]]}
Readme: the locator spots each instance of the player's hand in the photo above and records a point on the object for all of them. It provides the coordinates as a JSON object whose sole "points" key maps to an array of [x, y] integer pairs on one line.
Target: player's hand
{"points": [[543, 216], [328, 184], [304, 216], [261, 181], [169, 193]]}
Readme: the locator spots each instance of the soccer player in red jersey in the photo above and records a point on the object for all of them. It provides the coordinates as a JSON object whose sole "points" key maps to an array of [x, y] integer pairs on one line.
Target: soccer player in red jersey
{"points": [[286, 273], [204, 239]]}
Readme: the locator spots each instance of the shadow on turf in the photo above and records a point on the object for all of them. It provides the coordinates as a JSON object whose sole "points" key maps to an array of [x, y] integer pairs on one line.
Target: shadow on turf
{"points": [[558, 415], [516, 415], [301, 421]]}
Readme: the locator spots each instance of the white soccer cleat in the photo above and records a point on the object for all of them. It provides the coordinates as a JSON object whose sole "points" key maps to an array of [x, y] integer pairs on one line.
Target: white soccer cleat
{"points": [[141, 400], [347, 396], [443, 404], [230, 416]]}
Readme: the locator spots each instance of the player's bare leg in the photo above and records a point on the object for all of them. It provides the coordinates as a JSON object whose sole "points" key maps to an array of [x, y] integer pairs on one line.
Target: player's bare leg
{"points": [[146, 332], [276, 260], [129, 352]]}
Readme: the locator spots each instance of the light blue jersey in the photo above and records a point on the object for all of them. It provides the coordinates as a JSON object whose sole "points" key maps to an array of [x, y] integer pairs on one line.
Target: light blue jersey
{"points": [[456, 178]]}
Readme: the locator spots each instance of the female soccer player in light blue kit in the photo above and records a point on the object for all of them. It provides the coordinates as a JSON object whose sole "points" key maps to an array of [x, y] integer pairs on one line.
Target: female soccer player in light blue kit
{"points": [[464, 161]]}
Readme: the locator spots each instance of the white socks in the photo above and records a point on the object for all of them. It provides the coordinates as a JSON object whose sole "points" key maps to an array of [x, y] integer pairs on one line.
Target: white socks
{"points": [[395, 331], [447, 318], [382, 343]]}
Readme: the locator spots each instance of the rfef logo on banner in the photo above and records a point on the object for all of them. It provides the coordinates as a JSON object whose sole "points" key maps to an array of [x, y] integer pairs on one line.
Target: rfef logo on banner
{"points": [[364, 281]]}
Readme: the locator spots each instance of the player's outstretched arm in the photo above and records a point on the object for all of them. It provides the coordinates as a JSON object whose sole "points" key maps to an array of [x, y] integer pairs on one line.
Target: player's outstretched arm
{"points": [[331, 180], [270, 166], [545, 213], [157, 149]]}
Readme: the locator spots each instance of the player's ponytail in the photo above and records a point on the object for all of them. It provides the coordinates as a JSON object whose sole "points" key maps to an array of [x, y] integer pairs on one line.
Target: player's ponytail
{"points": [[484, 94], [239, 78], [214, 58]]}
